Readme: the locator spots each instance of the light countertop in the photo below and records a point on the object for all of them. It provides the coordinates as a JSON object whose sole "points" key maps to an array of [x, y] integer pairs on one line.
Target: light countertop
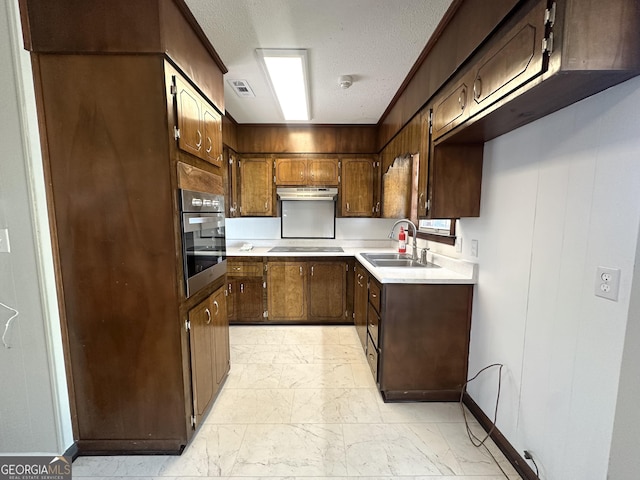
{"points": [[451, 271]]}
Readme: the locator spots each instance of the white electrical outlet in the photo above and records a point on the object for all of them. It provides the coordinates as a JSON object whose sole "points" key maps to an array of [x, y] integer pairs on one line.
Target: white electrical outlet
{"points": [[4, 241], [607, 283], [474, 248], [459, 244]]}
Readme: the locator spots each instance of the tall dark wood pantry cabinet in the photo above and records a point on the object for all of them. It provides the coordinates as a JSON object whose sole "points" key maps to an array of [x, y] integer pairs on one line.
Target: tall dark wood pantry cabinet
{"points": [[104, 83]]}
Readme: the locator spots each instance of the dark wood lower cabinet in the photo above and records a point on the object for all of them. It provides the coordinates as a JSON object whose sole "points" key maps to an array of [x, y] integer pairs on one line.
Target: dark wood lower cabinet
{"points": [[360, 303], [309, 291], [209, 344], [327, 291], [287, 291], [245, 303], [417, 338]]}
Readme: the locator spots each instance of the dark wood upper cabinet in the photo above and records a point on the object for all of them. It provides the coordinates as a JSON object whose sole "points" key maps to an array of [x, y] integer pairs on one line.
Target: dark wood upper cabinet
{"points": [[291, 171], [545, 57], [357, 187], [199, 124], [514, 58], [307, 171], [322, 171], [256, 187]]}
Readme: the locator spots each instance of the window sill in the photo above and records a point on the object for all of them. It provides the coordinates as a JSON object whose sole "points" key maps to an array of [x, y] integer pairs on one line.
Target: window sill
{"points": [[435, 237]]}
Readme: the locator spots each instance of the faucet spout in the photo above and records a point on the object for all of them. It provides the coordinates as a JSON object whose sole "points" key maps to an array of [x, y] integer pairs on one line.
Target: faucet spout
{"points": [[414, 249]]}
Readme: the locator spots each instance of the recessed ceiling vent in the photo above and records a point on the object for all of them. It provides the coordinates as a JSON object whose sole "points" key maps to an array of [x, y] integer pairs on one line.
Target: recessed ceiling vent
{"points": [[242, 88]]}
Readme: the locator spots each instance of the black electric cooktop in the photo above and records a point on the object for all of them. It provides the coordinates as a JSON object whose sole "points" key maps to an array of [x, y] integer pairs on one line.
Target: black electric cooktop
{"points": [[306, 249]]}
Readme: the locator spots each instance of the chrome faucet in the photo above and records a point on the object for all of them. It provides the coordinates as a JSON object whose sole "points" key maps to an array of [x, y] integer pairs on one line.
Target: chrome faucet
{"points": [[414, 250]]}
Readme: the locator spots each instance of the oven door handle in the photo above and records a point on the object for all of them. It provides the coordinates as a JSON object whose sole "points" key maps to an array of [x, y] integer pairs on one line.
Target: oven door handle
{"points": [[195, 220]]}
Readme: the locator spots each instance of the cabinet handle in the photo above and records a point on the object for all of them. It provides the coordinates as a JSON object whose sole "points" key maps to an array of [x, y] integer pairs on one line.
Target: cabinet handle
{"points": [[206, 310], [229, 288], [237, 269], [300, 271], [242, 288], [312, 270], [215, 303], [378, 207], [219, 158], [266, 205], [420, 197], [374, 295], [477, 88], [462, 99], [199, 142], [301, 174], [210, 145], [347, 206]]}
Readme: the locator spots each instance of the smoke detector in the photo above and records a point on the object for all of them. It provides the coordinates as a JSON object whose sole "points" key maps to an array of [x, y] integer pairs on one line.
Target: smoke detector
{"points": [[345, 81], [242, 88]]}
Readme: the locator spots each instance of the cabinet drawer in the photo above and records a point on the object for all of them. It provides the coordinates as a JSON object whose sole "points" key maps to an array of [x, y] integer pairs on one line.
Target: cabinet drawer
{"points": [[374, 295], [372, 358], [373, 321], [244, 269]]}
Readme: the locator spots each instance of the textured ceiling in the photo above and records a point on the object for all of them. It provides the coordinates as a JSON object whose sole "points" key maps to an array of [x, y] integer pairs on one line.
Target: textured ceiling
{"points": [[375, 41]]}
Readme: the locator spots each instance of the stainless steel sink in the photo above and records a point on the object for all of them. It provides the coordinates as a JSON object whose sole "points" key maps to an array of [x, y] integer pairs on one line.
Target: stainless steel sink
{"points": [[395, 260]]}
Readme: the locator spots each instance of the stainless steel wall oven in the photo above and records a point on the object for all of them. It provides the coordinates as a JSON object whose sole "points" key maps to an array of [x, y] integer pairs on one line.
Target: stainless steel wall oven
{"points": [[204, 250]]}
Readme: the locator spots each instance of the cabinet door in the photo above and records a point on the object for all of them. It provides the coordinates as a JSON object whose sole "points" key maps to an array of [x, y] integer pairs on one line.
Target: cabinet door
{"points": [[357, 187], [327, 291], [189, 116], [360, 304], [249, 307], [212, 148], [453, 107], [322, 171], [287, 286], [291, 171], [256, 187], [423, 165], [512, 61], [220, 330], [201, 346], [232, 287]]}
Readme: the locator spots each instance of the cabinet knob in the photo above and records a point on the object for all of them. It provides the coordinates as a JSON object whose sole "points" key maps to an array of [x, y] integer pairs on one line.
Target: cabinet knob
{"points": [[206, 310], [462, 98], [477, 88]]}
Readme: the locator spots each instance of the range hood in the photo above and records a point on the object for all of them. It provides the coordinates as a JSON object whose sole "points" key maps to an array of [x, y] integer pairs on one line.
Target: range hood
{"points": [[307, 193]]}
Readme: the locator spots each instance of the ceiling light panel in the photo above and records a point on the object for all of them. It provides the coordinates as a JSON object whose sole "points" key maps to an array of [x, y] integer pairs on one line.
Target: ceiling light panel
{"points": [[286, 71]]}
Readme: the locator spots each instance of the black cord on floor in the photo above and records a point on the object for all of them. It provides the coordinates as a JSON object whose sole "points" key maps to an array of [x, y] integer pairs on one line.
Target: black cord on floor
{"points": [[472, 437]]}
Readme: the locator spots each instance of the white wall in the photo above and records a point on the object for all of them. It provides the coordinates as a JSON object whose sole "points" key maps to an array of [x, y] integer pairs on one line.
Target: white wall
{"points": [[269, 228], [625, 461], [34, 408], [560, 197]]}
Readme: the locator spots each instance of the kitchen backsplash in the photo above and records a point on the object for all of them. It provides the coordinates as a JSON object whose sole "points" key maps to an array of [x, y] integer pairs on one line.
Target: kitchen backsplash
{"points": [[256, 228]]}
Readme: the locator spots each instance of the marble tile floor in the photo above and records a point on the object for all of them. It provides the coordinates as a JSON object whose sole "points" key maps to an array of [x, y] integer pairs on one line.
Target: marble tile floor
{"points": [[300, 403]]}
